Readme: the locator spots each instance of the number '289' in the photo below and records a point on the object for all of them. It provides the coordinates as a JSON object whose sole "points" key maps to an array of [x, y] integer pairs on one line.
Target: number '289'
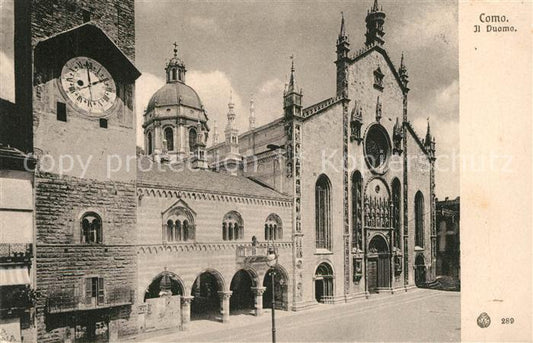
{"points": [[508, 320]]}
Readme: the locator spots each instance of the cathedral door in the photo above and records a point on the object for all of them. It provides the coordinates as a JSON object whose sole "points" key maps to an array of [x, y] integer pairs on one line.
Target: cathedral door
{"points": [[372, 275], [383, 271]]}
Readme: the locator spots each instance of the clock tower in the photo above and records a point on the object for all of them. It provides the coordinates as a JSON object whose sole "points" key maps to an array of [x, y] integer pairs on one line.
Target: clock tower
{"points": [[84, 138]]}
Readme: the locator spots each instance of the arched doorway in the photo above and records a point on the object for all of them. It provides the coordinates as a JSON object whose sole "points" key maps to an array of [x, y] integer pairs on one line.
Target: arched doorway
{"points": [[165, 283], [378, 264], [206, 301], [280, 289], [324, 283], [242, 299], [420, 270]]}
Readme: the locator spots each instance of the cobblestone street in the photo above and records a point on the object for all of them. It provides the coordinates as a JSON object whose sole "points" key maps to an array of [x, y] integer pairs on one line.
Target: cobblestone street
{"points": [[418, 315]]}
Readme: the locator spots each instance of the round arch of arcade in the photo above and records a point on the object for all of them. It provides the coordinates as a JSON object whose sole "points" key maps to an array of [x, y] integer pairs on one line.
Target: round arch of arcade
{"points": [[282, 285]]}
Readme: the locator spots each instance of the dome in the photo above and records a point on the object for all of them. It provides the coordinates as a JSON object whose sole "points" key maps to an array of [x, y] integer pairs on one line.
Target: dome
{"points": [[171, 93]]}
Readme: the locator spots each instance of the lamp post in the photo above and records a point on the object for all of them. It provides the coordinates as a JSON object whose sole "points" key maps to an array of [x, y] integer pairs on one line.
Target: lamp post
{"points": [[272, 260]]}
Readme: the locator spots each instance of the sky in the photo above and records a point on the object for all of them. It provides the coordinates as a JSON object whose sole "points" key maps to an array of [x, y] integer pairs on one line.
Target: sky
{"points": [[245, 47]]}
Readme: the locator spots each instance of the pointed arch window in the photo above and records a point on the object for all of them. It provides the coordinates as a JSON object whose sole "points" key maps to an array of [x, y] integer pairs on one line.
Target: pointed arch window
{"points": [[91, 228], [232, 227], [169, 138], [273, 228], [357, 211], [323, 213], [419, 219], [396, 203], [192, 139]]}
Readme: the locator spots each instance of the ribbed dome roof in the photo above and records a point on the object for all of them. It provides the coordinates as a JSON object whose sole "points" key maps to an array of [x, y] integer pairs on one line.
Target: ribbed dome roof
{"points": [[171, 93]]}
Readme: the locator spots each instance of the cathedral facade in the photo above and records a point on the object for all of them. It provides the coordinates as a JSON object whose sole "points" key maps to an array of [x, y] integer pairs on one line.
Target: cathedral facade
{"points": [[331, 202]]}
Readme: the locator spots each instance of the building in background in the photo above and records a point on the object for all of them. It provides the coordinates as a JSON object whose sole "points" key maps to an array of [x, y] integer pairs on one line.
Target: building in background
{"points": [[448, 233]]}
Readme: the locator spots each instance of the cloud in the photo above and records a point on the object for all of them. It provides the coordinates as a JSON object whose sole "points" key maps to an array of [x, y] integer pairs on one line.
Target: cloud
{"points": [[7, 77], [203, 24], [145, 87], [268, 101]]}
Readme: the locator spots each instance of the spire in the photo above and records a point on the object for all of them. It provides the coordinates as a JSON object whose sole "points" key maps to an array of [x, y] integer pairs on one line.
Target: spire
{"points": [[428, 134], [252, 113], [215, 132], [292, 96], [231, 132], [231, 112], [342, 33], [402, 71], [375, 8], [292, 80], [375, 19]]}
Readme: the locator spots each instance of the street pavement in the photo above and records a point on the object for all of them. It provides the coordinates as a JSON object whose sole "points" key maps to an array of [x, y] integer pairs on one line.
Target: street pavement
{"points": [[420, 315]]}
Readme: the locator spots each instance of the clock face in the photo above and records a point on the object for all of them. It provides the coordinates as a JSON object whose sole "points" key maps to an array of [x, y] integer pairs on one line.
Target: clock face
{"points": [[88, 86]]}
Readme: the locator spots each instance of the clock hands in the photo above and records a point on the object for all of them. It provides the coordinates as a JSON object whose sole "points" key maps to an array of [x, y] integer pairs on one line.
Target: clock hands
{"points": [[89, 80], [94, 83]]}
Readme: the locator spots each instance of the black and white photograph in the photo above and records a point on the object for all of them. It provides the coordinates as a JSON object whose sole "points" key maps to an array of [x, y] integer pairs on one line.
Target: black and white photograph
{"points": [[231, 171]]}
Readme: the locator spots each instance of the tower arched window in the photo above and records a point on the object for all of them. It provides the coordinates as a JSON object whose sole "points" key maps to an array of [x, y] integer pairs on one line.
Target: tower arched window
{"points": [[419, 219], [150, 143], [396, 203], [273, 228], [174, 74], [323, 213], [232, 227], [179, 226], [192, 139], [169, 137], [91, 228], [357, 210]]}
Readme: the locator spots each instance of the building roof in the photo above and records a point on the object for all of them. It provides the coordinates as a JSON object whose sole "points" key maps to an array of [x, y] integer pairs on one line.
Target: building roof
{"points": [[185, 178], [175, 93]]}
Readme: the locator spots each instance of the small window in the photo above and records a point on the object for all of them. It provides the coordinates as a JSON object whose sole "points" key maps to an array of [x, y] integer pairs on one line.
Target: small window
{"points": [[94, 291], [273, 228], [192, 139], [169, 137], [91, 228], [61, 109], [103, 123], [86, 14], [232, 227]]}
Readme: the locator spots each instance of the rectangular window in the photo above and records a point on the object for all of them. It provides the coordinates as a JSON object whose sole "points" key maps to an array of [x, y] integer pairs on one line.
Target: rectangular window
{"points": [[94, 291], [61, 110], [103, 123], [86, 15]]}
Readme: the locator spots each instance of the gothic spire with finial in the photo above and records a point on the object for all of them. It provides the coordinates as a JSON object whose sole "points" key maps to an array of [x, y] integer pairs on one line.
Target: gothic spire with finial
{"points": [[215, 132], [292, 79], [342, 33], [252, 113], [402, 72], [375, 19]]}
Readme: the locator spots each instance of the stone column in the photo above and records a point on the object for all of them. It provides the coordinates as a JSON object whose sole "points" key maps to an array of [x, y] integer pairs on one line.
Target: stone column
{"points": [[258, 291], [224, 305], [185, 312]]}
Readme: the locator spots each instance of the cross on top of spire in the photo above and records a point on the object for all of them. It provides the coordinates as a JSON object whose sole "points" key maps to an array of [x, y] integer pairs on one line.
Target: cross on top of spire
{"points": [[175, 49]]}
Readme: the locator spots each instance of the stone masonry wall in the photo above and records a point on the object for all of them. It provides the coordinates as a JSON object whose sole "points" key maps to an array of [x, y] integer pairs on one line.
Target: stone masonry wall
{"points": [[63, 262], [115, 17]]}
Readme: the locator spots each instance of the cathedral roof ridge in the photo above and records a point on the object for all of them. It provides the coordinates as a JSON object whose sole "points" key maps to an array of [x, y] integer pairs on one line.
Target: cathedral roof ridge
{"points": [[208, 181], [416, 137]]}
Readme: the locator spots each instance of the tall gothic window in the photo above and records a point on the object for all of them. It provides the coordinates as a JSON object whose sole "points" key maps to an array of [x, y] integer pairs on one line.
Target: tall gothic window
{"points": [[192, 139], [273, 228], [91, 228], [357, 210], [169, 137], [150, 143], [232, 227], [396, 203], [323, 213], [419, 219]]}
